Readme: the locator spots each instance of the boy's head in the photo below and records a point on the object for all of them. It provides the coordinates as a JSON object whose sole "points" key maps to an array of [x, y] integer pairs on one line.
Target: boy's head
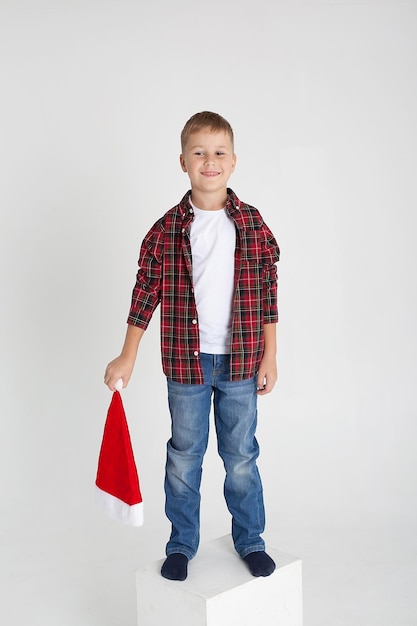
{"points": [[206, 120], [207, 154]]}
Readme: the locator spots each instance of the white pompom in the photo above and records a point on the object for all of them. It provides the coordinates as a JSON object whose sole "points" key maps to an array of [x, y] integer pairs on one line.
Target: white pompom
{"points": [[118, 385]]}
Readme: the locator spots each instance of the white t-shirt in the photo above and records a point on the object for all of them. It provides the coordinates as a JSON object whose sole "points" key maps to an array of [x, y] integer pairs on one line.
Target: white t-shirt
{"points": [[213, 242]]}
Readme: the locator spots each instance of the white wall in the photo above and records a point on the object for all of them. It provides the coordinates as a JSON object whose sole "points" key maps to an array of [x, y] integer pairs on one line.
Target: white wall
{"points": [[322, 97]]}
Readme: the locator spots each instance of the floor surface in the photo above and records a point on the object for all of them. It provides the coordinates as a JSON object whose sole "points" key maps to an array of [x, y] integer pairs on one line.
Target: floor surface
{"points": [[76, 577]]}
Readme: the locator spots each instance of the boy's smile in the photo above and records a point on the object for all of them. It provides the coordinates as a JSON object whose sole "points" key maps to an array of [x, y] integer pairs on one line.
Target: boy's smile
{"points": [[209, 161]]}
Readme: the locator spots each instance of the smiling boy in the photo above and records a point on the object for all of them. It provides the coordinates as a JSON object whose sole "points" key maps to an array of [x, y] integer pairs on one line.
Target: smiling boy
{"points": [[210, 263], [209, 160]]}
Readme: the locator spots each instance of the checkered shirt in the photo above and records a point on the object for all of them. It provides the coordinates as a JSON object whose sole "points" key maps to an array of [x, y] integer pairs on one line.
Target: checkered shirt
{"points": [[165, 277]]}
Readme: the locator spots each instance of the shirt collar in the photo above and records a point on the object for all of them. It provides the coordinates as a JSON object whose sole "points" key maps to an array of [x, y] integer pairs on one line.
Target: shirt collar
{"points": [[233, 208]]}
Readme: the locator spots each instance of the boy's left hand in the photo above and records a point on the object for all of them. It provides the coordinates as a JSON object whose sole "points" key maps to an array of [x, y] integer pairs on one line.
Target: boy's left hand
{"points": [[267, 375]]}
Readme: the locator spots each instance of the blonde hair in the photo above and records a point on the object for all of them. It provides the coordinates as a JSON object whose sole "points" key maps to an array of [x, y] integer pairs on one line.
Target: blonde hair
{"points": [[205, 119]]}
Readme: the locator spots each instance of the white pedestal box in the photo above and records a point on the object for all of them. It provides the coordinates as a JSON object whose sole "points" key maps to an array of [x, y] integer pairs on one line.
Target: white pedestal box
{"points": [[220, 591]]}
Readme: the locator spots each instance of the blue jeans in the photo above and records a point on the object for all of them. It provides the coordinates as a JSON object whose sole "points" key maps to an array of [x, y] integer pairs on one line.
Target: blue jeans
{"points": [[235, 415]]}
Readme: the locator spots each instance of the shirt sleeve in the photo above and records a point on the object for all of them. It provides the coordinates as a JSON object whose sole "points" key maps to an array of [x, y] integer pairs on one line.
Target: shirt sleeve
{"points": [[270, 254], [147, 290]]}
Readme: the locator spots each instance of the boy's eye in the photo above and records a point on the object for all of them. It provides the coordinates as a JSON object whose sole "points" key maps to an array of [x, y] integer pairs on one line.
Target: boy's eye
{"points": [[219, 153], [199, 153]]}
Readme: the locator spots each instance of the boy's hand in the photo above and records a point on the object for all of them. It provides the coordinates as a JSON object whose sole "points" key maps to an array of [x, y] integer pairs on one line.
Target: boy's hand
{"points": [[267, 375], [120, 367]]}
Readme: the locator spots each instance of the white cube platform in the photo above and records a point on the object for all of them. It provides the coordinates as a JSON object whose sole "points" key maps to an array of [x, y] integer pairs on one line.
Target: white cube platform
{"points": [[220, 591]]}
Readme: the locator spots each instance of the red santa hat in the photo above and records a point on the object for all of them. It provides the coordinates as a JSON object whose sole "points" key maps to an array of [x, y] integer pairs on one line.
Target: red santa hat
{"points": [[117, 484]]}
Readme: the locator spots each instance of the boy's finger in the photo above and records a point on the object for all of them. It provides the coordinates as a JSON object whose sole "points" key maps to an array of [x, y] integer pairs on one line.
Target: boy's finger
{"points": [[261, 386], [261, 382]]}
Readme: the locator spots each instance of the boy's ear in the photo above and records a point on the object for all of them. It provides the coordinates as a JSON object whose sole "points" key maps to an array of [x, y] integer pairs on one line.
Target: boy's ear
{"points": [[182, 162], [234, 162]]}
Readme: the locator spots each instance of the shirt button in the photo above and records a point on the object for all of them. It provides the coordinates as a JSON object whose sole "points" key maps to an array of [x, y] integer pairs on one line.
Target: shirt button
{"points": [[191, 210], [196, 353], [183, 231], [194, 321]]}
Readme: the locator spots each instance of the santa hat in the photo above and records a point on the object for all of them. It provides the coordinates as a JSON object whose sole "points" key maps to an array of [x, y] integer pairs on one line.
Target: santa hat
{"points": [[117, 484]]}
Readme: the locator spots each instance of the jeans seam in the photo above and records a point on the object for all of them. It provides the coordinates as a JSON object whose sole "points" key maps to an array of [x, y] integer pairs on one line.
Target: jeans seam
{"points": [[186, 553], [250, 549]]}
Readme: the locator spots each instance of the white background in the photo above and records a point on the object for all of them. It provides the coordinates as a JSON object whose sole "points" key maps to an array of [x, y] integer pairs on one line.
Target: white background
{"points": [[322, 97]]}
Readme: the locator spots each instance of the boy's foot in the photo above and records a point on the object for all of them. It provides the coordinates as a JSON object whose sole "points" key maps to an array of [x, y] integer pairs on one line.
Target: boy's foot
{"points": [[259, 563], [175, 567]]}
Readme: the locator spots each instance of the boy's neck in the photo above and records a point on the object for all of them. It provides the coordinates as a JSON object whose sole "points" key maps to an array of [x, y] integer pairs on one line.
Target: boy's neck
{"points": [[209, 201]]}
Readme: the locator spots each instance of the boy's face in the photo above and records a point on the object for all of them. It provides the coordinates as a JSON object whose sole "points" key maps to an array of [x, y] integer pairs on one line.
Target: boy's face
{"points": [[209, 160]]}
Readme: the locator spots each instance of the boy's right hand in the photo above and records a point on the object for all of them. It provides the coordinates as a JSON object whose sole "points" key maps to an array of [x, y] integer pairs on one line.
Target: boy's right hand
{"points": [[121, 367]]}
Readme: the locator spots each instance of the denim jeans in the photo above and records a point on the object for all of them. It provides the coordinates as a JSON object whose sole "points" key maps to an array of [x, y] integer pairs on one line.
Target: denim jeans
{"points": [[235, 418]]}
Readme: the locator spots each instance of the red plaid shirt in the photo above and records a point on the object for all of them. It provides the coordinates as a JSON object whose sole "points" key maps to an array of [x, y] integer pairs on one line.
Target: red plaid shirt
{"points": [[165, 276]]}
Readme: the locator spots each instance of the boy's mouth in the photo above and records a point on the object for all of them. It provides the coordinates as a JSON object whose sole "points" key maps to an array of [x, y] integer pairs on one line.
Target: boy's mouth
{"points": [[210, 173]]}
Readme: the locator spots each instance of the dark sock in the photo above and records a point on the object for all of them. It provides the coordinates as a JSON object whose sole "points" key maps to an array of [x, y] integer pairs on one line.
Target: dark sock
{"points": [[175, 567], [259, 563]]}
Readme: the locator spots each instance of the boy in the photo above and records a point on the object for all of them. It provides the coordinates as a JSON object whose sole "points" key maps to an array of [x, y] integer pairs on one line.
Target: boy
{"points": [[210, 263]]}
